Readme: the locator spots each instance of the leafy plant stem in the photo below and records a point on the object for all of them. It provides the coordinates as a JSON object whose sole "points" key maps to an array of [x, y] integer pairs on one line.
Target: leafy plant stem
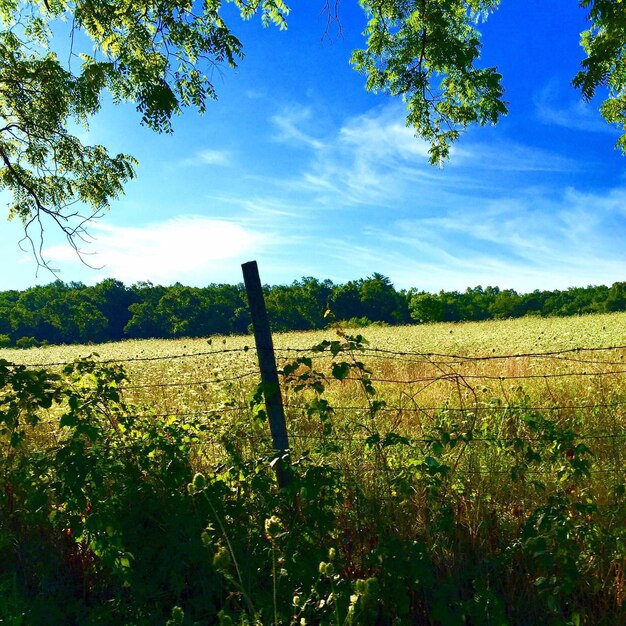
{"points": [[240, 584], [274, 584]]}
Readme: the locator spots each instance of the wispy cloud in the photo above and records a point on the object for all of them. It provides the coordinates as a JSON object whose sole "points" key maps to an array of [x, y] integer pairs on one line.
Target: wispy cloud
{"points": [[512, 156], [419, 256], [382, 134], [364, 161], [502, 213], [186, 249], [289, 124], [552, 108], [524, 241], [209, 157], [362, 198], [374, 159]]}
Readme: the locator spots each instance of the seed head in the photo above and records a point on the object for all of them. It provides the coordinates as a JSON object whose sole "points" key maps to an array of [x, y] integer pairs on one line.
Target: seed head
{"points": [[199, 482], [273, 528], [221, 560]]}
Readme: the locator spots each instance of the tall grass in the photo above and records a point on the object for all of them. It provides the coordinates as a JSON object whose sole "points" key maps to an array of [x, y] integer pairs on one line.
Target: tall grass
{"points": [[458, 474]]}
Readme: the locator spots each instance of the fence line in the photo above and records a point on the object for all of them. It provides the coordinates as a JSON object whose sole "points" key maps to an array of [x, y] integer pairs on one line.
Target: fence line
{"points": [[461, 357], [468, 436], [200, 403], [457, 376], [429, 361], [474, 409], [197, 383], [233, 407], [490, 357], [169, 357], [379, 353], [449, 377], [413, 409]]}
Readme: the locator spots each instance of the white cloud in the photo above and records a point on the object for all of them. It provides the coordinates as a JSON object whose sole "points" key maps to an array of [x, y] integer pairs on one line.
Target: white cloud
{"points": [[573, 114], [209, 157], [499, 213], [365, 161], [431, 258], [382, 134], [524, 242], [365, 199], [508, 156], [289, 124], [181, 249], [374, 159]]}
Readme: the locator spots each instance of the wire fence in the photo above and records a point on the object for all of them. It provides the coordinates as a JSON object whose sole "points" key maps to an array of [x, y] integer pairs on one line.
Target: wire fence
{"points": [[404, 362], [379, 353], [481, 400]]}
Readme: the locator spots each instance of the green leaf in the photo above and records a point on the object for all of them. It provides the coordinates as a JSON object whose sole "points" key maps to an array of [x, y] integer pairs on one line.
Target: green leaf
{"points": [[341, 370]]}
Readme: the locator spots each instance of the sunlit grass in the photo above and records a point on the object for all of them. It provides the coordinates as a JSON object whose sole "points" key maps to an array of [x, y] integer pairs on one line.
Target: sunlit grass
{"points": [[420, 376], [484, 384]]}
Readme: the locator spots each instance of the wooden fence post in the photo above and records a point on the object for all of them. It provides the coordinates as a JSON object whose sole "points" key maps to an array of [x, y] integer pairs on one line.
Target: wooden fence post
{"points": [[269, 374]]}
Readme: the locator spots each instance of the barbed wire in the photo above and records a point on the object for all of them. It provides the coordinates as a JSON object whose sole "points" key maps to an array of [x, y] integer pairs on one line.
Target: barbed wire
{"points": [[165, 357], [215, 412], [446, 376], [448, 359], [491, 357], [467, 438], [450, 377], [195, 383], [455, 376], [486, 408], [391, 354], [470, 409], [245, 408], [452, 361]]}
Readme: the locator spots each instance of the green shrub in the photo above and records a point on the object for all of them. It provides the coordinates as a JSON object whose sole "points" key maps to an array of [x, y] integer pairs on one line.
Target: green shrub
{"points": [[26, 342], [98, 521], [107, 515]]}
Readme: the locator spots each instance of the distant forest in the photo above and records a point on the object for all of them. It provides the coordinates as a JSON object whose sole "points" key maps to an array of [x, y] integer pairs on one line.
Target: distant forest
{"points": [[75, 313]]}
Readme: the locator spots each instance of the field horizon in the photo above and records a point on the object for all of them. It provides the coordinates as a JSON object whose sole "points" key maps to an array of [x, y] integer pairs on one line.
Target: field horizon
{"points": [[472, 338]]}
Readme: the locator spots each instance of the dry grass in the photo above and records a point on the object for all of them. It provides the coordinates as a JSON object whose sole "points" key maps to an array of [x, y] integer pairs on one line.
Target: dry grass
{"points": [[482, 378], [422, 369]]}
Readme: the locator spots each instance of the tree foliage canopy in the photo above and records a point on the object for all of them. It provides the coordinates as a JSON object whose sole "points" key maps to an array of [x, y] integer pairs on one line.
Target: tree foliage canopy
{"points": [[159, 55], [152, 53], [110, 311], [427, 52]]}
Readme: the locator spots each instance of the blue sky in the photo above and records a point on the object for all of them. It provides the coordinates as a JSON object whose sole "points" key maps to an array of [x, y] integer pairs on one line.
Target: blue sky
{"points": [[296, 166]]}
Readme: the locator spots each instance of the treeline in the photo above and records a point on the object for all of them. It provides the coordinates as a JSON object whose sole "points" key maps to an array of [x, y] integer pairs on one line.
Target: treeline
{"points": [[109, 311]]}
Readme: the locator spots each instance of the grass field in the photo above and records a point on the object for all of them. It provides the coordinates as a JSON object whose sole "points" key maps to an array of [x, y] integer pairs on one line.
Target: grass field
{"points": [[427, 355], [531, 334], [474, 471], [472, 339]]}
